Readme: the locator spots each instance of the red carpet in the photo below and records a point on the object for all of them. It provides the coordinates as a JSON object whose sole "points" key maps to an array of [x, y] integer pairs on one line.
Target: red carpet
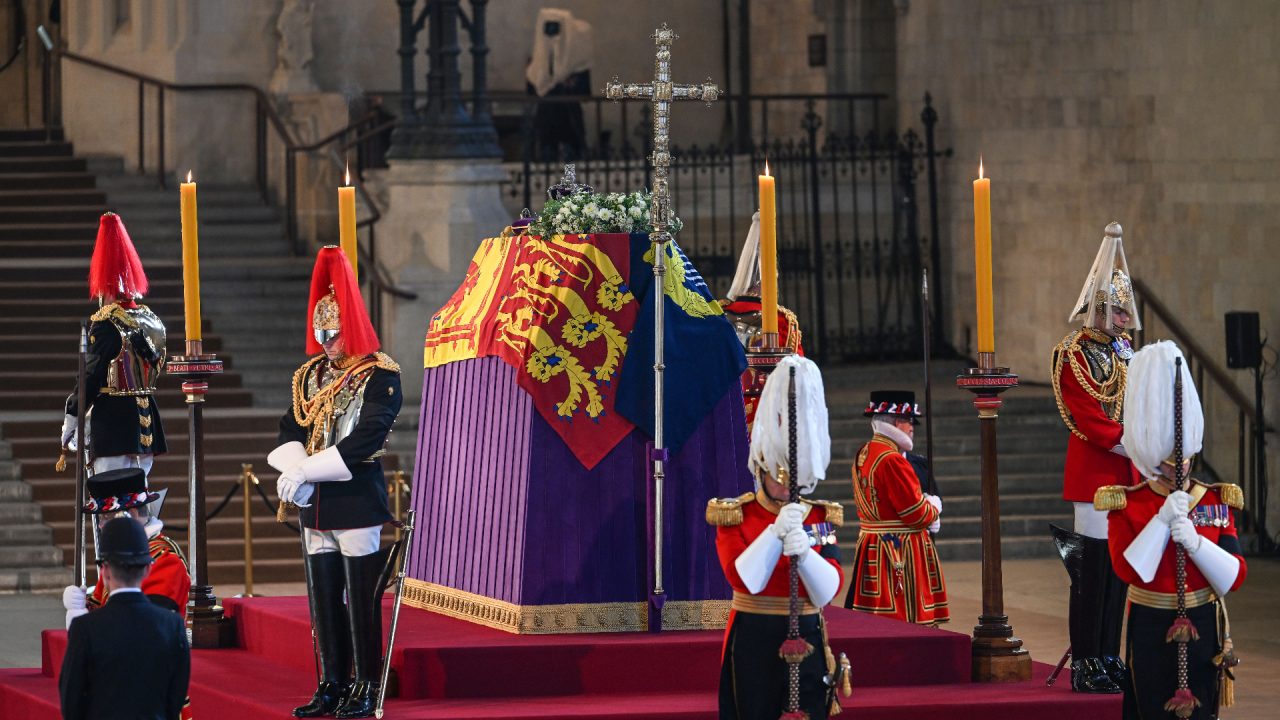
{"points": [[453, 669]]}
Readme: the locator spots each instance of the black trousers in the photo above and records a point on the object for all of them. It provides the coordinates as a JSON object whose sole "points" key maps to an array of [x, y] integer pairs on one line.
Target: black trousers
{"points": [[753, 678], [1154, 662]]}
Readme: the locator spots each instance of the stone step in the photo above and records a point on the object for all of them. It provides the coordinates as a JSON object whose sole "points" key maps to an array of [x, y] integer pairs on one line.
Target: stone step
{"points": [[34, 579], [35, 134], [34, 148], [1048, 441], [240, 420], [35, 381], [37, 164], [78, 196], [19, 513], [1011, 526], [25, 534], [838, 485], [38, 180], [20, 556], [955, 506], [38, 214], [1011, 548], [250, 443], [155, 219], [14, 491], [218, 397]]}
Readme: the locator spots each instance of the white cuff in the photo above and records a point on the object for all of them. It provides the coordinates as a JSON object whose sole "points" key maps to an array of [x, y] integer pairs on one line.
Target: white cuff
{"points": [[287, 456], [820, 578], [1145, 551], [1218, 566], [73, 614], [755, 565], [326, 466], [303, 494]]}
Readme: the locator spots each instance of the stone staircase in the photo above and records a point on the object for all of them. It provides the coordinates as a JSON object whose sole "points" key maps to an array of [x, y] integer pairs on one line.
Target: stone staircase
{"points": [[254, 300], [1031, 439]]}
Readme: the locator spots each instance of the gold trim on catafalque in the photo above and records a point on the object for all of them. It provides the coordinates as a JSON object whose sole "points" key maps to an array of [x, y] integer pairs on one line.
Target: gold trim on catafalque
{"points": [[562, 619]]}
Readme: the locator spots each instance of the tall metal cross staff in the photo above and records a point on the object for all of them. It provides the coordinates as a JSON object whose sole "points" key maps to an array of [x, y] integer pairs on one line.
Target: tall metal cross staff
{"points": [[661, 92]]}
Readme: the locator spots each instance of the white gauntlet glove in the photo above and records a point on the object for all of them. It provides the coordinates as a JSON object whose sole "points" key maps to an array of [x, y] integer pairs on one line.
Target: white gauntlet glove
{"points": [[790, 517], [796, 545], [1177, 505], [1183, 532], [74, 600], [292, 487], [936, 502], [69, 432]]}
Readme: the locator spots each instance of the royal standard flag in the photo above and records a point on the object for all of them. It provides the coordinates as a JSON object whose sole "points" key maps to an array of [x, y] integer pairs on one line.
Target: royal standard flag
{"points": [[701, 353]]}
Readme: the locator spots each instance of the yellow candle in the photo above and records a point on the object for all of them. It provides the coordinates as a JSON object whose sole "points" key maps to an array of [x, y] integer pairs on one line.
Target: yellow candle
{"points": [[768, 254], [190, 259], [982, 261], [347, 221]]}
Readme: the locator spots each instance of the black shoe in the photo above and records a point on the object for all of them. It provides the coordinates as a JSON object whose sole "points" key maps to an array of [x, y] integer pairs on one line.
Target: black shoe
{"points": [[325, 702], [361, 701], [1088, 676], [1115, 669]]}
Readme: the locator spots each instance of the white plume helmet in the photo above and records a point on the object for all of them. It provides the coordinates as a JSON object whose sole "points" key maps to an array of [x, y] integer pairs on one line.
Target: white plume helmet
{"points": [[747, 276], [770, 435], [555, 58], [1148, 408], [1108, 284]]}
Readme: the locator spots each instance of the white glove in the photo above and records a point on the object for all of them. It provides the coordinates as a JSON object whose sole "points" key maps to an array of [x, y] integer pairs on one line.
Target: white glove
{"points": [[291, 487], [935, 526], [69, 432], [1177, 505], [1183, 532], [790, 517], [796, 545], [74, 597], [1119, 450], [936, 502]]}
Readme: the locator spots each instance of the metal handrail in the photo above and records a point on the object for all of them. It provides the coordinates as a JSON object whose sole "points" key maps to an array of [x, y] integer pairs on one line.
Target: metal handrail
{"points": [[264, 112]]}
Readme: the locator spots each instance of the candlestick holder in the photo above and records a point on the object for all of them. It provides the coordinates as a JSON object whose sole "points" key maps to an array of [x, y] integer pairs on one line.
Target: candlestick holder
{"points": [[998, 656], [762, 360], [209, 627]]}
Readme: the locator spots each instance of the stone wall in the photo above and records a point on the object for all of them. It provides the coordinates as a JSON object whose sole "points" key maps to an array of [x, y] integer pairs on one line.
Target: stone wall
{"points": [[1161, 114]]}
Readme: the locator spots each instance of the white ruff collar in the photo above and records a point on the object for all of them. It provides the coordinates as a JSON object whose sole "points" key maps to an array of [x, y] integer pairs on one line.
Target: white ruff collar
{"points": [[901, 439]]}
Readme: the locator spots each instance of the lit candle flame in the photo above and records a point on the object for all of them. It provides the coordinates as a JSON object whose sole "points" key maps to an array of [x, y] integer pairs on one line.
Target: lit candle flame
{"points": [[347, 176], [766, 168], [188, 176], [980, 167]]}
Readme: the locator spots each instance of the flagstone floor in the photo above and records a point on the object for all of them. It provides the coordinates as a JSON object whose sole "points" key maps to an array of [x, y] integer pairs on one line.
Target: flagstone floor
{"points": [[1035, 599]]}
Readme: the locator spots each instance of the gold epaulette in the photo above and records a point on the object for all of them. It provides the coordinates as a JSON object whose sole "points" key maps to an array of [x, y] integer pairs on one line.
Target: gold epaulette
{"points": [[725, 512], [162, 544], [1230, 493], [1113, 497], [835, 511], [386, 363], [113, 311]]}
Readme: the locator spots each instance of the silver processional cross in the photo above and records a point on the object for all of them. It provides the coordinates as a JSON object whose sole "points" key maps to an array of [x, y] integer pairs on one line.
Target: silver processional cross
{"points": [[661, 92]]}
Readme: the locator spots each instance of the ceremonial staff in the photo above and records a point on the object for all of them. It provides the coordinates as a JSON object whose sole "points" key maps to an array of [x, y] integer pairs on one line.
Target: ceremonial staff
{"points": [[928, 381], [794, 649], [1183, 703], [660, 93]]}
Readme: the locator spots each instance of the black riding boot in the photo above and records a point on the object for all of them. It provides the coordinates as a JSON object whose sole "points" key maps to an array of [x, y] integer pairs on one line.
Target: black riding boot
{"points": [[1116, 593], [364, 609], [1080, 555], [333, 639]]}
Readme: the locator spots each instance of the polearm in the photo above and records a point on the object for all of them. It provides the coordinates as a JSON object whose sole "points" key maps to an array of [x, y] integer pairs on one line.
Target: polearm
{"points": [[1183, 703], [928, 382], [794, 649], [81, 450], [407, 539]]}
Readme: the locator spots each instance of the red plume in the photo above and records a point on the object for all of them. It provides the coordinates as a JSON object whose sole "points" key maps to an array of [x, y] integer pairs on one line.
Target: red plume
{"points": [[333, 269], [115, 270]]}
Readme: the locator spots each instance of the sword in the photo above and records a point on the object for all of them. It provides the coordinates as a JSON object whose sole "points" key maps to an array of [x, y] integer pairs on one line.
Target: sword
{"points": [[407, 538], [1053, 677], [81, 454]]}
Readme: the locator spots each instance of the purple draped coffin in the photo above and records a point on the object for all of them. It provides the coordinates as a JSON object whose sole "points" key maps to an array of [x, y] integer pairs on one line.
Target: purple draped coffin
{"points": [[513, 532]]}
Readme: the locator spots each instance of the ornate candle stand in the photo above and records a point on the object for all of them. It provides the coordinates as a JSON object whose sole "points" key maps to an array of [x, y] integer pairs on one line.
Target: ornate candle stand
{"points": [[209, 628], [998, 656]]}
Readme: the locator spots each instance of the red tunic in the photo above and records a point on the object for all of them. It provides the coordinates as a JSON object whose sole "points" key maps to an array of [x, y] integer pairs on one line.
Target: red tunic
{"points": [[1090, 463], [1142, 504], [732, 540], [168, 577], [895, 568]]}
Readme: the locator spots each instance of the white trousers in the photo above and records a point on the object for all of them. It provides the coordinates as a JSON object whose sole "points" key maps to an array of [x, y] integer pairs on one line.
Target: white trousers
{"points": [[1090, 522], [119, 462], [355, 542]]}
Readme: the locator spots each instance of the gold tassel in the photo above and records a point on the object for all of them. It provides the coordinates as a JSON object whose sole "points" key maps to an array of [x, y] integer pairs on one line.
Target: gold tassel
{"points": [[1226, 661], [62, 462], [282, 511], [834, 708], [846, 675]]}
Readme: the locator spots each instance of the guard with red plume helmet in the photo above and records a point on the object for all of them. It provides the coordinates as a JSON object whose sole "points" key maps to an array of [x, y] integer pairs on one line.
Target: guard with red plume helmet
{"points": [[125, 356], [345, 400]]}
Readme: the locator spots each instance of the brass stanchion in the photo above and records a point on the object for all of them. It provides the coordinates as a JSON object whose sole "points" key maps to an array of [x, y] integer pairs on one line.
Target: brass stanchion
{"points": [[395, 489], [247, 477]]}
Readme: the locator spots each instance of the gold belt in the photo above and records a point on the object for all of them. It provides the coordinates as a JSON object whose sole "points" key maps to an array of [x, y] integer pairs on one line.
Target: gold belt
{"points": [[887, 528], [113, 392], [1169, 601], [769, 604]]}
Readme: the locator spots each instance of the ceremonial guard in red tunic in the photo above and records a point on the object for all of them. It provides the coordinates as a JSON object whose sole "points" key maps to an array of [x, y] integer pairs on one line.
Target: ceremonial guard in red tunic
{"points": [[742, 308], [1152, 522], [895, 567], [123, 493], [345, 400], [759, 536], [125, 357], [1088, 372]]}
